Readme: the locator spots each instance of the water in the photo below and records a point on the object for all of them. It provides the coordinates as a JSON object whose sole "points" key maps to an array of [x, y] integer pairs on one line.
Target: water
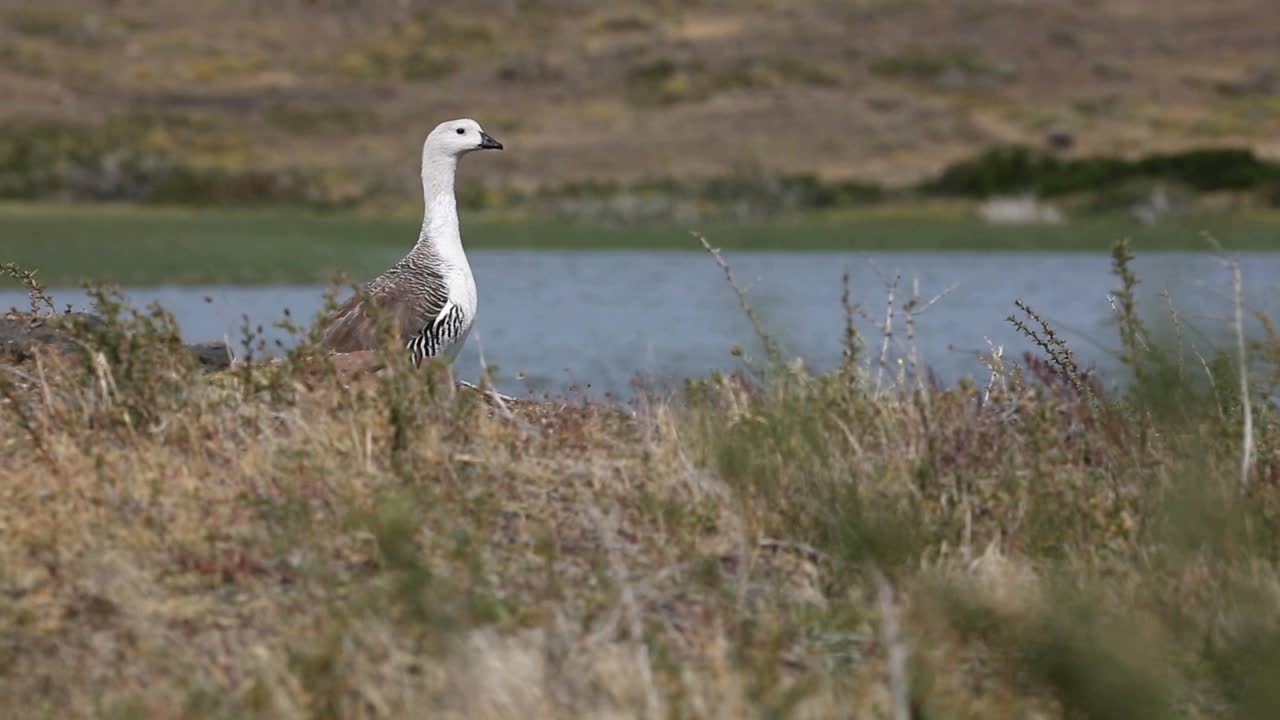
{"points": [[596, 319]]}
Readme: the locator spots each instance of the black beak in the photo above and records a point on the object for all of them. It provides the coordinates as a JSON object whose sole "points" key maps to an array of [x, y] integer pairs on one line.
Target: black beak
{"points": [[488, 143]]}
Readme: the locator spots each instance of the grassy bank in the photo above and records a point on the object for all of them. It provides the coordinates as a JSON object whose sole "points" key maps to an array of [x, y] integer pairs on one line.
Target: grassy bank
{"points": [[138, 246], [268, 543]]}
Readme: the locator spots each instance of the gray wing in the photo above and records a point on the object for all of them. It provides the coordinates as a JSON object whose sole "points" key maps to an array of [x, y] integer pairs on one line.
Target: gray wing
{"points": [[354, 325]]}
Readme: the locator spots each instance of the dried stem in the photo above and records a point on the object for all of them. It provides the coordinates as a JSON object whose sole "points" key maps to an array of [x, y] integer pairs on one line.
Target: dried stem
{"points": [[912, 310], [1133, 335], [913, 349], [1237, 286], [995, 364], [36, 293], [771, 349], [887, 330], [1176, 317], [25, 416], [1054, 347], [852, 338]]}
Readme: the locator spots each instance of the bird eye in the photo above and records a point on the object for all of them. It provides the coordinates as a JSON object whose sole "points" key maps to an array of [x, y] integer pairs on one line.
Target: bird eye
{"points": [[462, 131]]}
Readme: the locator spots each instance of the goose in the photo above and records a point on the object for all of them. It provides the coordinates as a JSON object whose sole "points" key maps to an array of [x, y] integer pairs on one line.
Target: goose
{"points": [[429, 296]]}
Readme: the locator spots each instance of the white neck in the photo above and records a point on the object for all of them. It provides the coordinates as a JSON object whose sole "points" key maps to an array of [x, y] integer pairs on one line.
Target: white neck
{"points": [[440, 231]]}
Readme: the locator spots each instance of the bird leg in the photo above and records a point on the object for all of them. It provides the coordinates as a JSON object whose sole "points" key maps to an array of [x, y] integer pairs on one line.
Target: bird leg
{"points": [[490, 394]]}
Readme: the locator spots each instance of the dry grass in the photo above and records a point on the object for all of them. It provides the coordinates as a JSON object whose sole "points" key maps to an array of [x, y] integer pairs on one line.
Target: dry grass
{"points": [[269, 543]]}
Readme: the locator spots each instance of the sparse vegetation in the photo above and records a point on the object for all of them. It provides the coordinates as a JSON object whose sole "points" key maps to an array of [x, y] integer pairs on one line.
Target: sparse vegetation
{"points": [[621, 22], [895, 90], [161, 159], [224, 66], [60, 27], [426, 48], [954, 67], [776, 73], [669, 82], [189, 158], [666, 82], [22, 57], [319, 119], [269, 542]]}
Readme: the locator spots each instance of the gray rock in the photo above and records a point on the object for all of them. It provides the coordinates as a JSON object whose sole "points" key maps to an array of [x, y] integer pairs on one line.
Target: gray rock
{"points": [[20, 335], [213, 355]]}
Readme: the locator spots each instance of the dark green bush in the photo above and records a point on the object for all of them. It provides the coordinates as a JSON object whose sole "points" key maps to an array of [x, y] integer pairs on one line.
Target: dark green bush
{"points": [[1018, 169]]}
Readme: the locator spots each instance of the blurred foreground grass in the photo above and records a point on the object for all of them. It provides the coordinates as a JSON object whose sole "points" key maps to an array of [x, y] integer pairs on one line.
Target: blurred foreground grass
{"points": [[267, 542], [133, 245]]}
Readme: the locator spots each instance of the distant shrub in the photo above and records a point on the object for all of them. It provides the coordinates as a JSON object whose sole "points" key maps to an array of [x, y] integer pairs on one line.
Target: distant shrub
{"points": [[424, 49], [776, 72], [1018, 169], [1211, 169], [24, 58], [621, 22], [417, 64], [665, 82], [926, 64], [225, 66], [670, 199], [139, 160], [421, 64], [959, 67], [1272, 193], [51, 25], [313, 118]]}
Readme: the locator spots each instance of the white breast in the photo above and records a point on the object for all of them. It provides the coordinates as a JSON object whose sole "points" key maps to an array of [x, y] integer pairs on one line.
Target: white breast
{"points": [[462, 295]]}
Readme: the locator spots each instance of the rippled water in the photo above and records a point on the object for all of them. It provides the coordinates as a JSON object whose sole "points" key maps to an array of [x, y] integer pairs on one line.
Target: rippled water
{"points": [[600, 318]]}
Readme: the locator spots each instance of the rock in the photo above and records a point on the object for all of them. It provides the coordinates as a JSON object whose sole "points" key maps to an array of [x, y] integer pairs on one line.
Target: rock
{"points": [[1060, 138], [213, 355], [1153, 207], [20, 335], [1019, 210]]}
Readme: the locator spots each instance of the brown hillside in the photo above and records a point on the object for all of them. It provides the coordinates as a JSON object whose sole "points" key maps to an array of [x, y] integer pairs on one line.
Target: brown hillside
{"points": [[880, 90]]}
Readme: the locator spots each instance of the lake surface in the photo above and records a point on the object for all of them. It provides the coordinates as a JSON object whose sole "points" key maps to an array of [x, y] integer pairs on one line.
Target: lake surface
{"points": [[596, 319]]}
